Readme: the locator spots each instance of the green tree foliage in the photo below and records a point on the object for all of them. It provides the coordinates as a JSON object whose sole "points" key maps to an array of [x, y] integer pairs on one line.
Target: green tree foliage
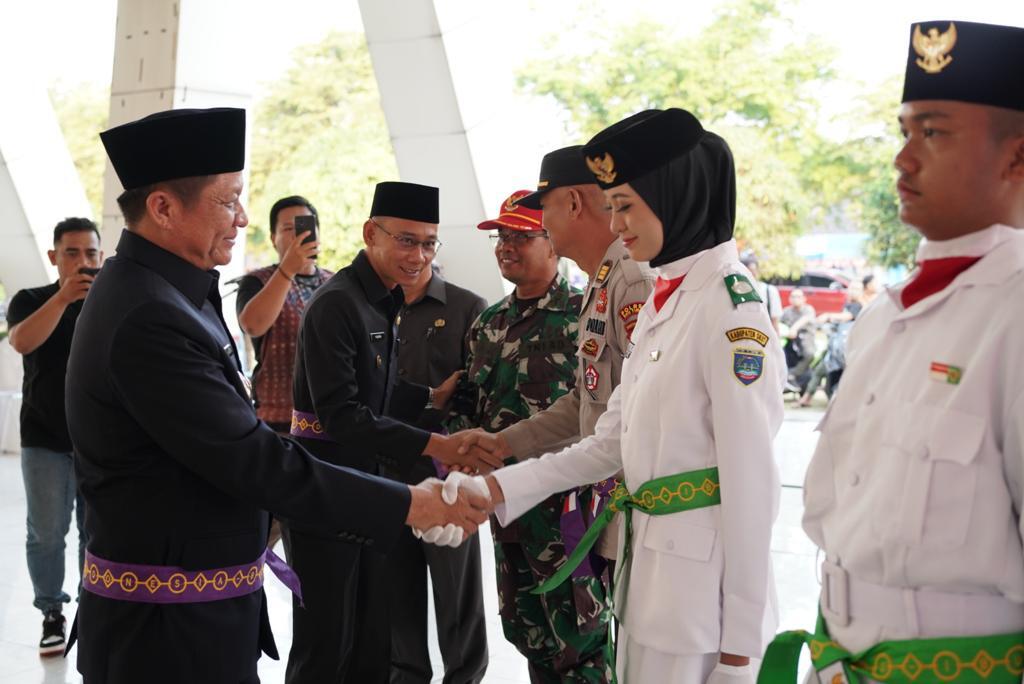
{"points": [[320, 132], [82, 110], [745, 78]]}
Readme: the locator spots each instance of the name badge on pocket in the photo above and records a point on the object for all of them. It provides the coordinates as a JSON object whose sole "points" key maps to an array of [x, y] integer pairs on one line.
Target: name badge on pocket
{"points": [[377, 336]]}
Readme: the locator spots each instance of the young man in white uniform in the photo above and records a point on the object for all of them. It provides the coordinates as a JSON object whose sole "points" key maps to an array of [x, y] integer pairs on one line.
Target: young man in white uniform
{"points": [[914, 492]]}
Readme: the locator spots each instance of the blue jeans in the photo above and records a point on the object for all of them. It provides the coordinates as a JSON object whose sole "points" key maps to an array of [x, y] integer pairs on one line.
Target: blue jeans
{"points": [[50, 494]]}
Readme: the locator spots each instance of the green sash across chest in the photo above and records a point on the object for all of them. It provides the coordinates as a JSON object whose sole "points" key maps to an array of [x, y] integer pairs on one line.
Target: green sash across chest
{"points": [[995, 659], [660, 496]]}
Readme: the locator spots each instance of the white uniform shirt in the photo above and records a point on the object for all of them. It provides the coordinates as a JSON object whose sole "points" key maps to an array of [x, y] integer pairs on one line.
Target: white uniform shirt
{"points": [[916, 481], [699, 581]]}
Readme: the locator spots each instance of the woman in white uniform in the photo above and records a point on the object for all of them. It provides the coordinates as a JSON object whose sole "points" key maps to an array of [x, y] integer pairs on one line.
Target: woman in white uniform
{"points": [[699, 405]]}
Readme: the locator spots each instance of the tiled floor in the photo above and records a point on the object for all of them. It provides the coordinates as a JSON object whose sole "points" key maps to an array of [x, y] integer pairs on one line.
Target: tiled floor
{"points": [[20, 623]]}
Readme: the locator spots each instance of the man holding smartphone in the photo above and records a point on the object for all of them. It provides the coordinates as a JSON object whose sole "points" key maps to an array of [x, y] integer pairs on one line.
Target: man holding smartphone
{"points": [[270, 303], [42, 321]]}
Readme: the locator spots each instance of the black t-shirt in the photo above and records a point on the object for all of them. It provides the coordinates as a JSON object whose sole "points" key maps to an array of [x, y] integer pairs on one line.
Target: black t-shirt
{"points": [[854, 308], [43, 423]]}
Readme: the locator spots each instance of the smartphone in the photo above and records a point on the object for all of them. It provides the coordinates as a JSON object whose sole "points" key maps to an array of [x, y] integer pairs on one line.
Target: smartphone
{"points": [[306, 224], [85, 270]]}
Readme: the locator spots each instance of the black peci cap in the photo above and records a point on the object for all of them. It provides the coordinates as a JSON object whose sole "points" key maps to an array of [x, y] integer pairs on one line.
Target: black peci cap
{"points": [[180, 143], [966, 62], [558, 169], [406, 201], [639, 144]]}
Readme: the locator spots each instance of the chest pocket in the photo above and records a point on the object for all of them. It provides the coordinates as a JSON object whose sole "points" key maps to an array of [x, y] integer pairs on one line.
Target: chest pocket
{"points": [[546, 370], [930, 458]]}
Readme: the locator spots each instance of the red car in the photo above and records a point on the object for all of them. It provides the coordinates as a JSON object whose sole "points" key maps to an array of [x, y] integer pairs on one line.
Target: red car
{"points": [[825, 290]]}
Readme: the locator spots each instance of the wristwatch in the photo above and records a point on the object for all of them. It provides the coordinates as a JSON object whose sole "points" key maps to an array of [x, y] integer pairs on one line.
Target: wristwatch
{"points": [[430, 398]]}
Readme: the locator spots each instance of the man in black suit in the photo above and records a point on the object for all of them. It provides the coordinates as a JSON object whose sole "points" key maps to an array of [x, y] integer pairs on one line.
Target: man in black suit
{"points": [[176, 470], [349, 404]]}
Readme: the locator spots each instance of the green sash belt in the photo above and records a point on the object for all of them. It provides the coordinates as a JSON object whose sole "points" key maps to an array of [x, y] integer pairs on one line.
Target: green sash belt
{"points": [[661, 496], [995, 659]]}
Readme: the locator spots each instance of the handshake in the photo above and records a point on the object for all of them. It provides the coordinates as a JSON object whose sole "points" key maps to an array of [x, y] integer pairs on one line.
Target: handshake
{"points": [[446, 513], [469, 451]]}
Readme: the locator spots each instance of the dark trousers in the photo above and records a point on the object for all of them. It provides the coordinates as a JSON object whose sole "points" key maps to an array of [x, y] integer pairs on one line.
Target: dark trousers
{"points": [[458, 605], [342, 634]]}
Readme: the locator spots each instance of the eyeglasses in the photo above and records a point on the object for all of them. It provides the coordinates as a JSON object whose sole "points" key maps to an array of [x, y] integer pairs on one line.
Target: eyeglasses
{"points": [[408, 244], [516, 238]]}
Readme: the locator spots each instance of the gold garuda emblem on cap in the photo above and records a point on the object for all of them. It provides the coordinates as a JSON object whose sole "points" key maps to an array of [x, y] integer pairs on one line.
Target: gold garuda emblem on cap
{"points": [[603, 168], [934, 48]]}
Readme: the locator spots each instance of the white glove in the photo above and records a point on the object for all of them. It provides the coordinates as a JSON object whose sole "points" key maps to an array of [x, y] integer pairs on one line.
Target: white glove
{"points": [[731, 674], [451, 534], [456, 481]]}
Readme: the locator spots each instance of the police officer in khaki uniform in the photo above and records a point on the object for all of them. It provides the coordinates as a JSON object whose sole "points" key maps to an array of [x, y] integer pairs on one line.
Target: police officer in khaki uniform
{"points": [[577, 220]]}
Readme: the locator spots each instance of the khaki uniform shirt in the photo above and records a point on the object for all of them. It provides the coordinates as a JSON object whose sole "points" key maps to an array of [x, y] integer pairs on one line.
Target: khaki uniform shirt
{"points": [[611, 305]]}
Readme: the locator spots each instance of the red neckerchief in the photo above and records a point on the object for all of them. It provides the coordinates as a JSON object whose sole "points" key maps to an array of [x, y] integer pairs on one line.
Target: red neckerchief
{"points": [[934, 276], [663, 289]]}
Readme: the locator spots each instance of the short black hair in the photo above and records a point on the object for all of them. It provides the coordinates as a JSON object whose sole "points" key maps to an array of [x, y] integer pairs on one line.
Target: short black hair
{"points": [[74, 224], [290, 201], [133, 202], [867, 280]]}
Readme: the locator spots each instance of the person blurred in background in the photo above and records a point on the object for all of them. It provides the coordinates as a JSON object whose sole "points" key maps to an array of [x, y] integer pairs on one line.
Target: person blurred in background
{"points": [[42, 321]]}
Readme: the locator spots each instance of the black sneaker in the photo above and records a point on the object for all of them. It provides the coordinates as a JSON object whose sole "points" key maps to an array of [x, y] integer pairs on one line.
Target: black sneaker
{"points": [[52, 642]]}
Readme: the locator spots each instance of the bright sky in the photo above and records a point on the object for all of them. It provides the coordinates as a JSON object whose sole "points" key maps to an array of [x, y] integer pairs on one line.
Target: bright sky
{"points": [[77, 44]]}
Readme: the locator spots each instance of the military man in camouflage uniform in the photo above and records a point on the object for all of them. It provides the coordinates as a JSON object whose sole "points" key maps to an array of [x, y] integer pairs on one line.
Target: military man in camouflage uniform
{"points": [[522, 358], [575, 216]]}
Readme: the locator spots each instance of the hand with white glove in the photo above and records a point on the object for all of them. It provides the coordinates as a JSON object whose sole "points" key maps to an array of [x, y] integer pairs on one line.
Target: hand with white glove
{"points": [[731, 674], [451, 535], [447, 516]]}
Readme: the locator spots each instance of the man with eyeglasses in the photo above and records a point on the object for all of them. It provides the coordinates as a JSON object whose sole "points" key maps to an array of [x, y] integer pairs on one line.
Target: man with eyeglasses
{"points": [[346, 384], [522, 360]]}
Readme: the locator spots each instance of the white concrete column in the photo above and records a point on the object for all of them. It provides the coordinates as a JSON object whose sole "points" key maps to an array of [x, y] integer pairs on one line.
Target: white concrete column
{"points": [[434, 110], [39, 185], [175, 54]]}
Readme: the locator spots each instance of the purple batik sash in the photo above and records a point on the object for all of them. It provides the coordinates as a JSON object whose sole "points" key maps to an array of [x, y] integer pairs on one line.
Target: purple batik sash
{"points": [[308, 425], [576, 518], [170, 584]]}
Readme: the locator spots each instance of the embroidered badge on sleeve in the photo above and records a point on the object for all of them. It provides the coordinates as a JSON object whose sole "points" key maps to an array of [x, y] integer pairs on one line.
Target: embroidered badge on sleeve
{"points": [[747, 365]]}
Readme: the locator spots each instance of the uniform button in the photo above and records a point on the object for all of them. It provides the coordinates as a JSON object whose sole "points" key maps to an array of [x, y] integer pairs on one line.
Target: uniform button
{"points": [[870, 400], [899, 326], [670, 544], [924, 454], [625, 428], [401, 371], [368, 542], [854, 479]]}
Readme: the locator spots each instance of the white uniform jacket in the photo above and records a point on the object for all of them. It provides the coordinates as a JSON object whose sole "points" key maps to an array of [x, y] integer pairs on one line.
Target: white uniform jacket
{"points": [[917, 478], [691, 397]]}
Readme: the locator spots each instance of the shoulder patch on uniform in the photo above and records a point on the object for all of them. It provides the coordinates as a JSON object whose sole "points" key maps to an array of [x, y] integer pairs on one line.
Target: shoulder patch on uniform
{"points": [[590, 347], [747, 334], [602, 273], [747, 365], [740, 289], [629, 314], [631, 309]]}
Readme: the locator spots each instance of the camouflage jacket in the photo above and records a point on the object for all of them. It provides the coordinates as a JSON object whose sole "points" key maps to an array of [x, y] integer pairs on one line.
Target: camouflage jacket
{"points": [[521, 361]]}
